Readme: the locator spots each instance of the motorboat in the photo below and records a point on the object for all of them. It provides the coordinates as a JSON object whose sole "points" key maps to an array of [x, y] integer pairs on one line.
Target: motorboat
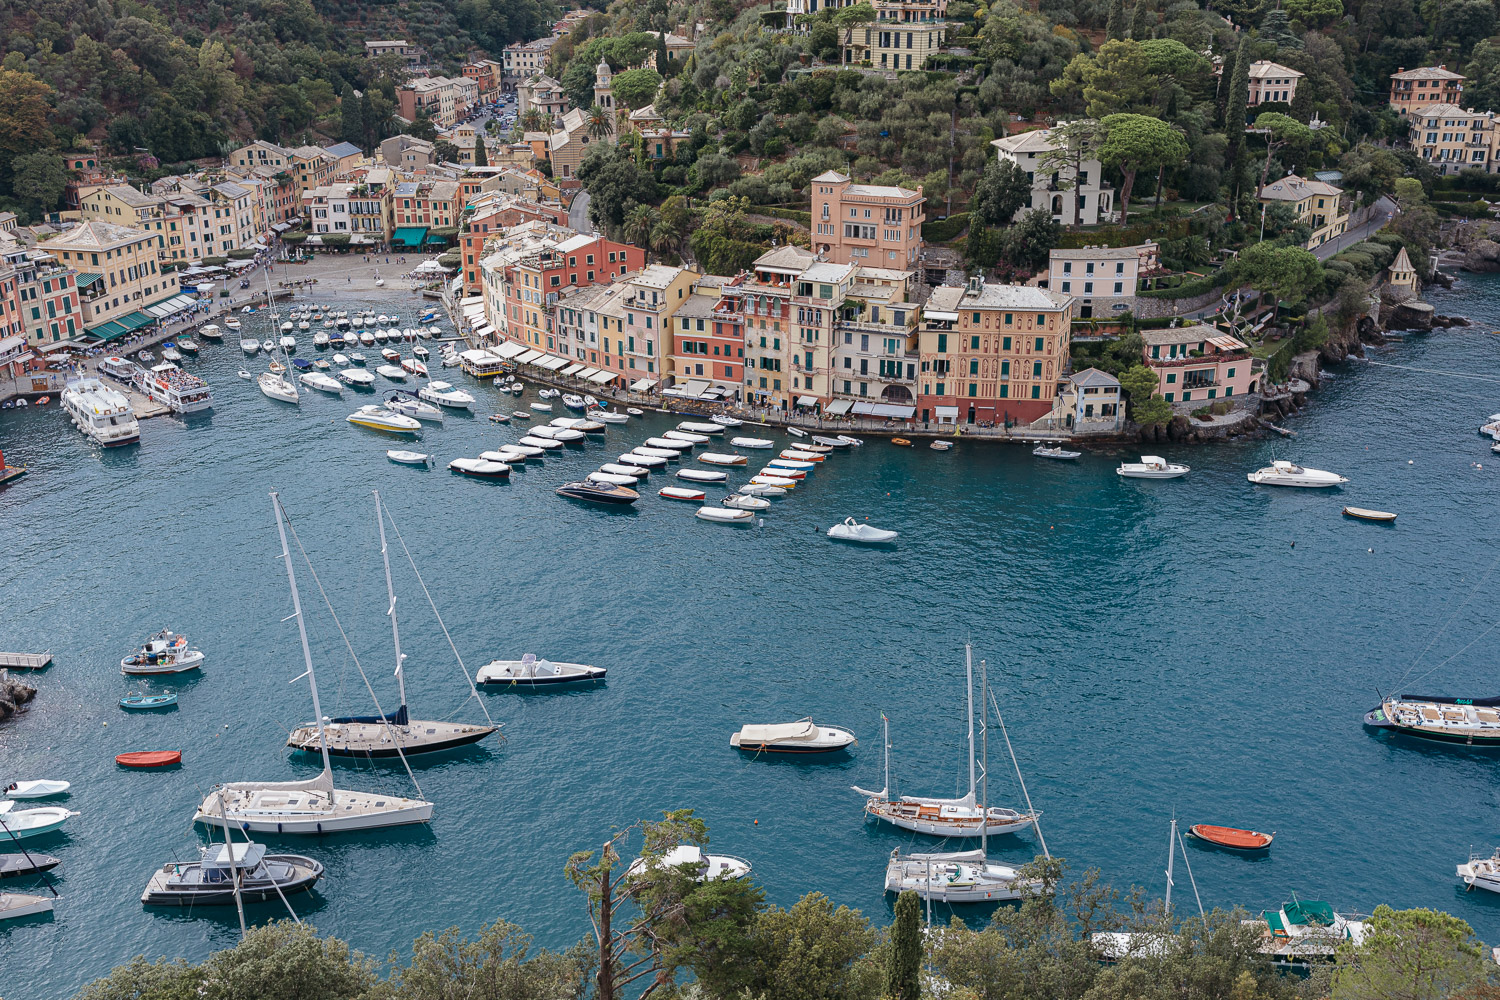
{"points": [[856, 531], [249, 345], [304, 324], [391, 372], [366, 338], [610, 417], [18, 824], [956, 877], [783, 473], [516, 388], [357, 358], [1491, 427], [421, 352], [579, 424], [763, 480], [246, 375], [748, 442], [1151, 467], [667, 453], [796, 432], [408, 457], [149, 759], [1051, 451], [791, 464], [549, 393], [170, 354], [321, 382], [289, 344], [415, 367], [174, 388], [724, 515], [563, 434], [39, 788], [1366, 514], [1280, 473], [320, 339], [573, 402], [480, 467], [643, 461], [357, 377], [598, 493], [1481, 872], [14, 905], [232, 323], [268, 346], [546, 444], [408, 405], [103, 414], [288, 325], [1231, 839], [27, 863], [166, 652], [542, 407], [671, 444], [800, 455], [742, 501], [702, 476], [725, 420], [611, 478], [504, 454], [321, 365], [687, 437], [383, 319], [278, 387], [146, 702], [378, 418], [187, 345], [717, 458], [816, 449], [901, 442], [521, 414], [754, 489], [691, 858], [830, 442], [634, 471], [700, 428], [681, 493], [531, 672], [524, 450], [634, 411], [391, 354], [853, 441]]}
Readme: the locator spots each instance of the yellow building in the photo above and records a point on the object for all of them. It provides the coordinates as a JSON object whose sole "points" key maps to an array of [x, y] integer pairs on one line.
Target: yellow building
{"points": [[902, 36], [117, 269], [1318, 204], [1452, 139]]}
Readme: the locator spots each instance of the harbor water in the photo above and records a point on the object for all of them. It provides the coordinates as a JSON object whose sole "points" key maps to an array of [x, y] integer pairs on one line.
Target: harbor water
{"points": [[1200, 647]]}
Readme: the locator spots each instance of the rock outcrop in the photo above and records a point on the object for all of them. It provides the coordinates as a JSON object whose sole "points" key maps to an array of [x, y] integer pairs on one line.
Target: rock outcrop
{"points": [[13, 695], [1483, 257]]}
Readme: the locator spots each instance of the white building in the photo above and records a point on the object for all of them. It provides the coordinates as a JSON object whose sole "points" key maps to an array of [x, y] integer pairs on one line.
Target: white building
{"points": [[1052, 186]]}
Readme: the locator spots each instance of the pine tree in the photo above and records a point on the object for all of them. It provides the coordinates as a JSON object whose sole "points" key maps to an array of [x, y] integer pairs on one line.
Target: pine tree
{"points": [[481, 158], [903, 974], [1114, 25], [352, 119]]}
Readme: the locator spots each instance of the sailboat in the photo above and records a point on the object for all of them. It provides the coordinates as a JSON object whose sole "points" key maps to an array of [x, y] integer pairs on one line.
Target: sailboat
{"points": [[274, 384], [964, 876], [945, 817], [1116, 945], [386, 735], [312, 805]]}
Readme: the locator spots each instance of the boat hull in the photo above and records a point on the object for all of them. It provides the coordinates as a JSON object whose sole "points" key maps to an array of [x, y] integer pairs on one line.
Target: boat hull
{"points": [[1230, 839], [343, 819], [364, 740], [308, 872], [30, 863], [191, 660], [1377, 719]]}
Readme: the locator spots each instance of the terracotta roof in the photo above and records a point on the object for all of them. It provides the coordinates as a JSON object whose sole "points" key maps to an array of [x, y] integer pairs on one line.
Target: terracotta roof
{"points": [[1427, 73]]}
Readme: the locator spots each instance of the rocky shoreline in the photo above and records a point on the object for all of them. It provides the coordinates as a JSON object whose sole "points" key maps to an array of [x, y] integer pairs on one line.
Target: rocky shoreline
{"points": [[13, 695]]}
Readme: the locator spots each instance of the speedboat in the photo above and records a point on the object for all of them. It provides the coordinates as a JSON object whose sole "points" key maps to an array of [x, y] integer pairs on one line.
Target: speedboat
{"points": [[445, 394], [1280, 473], [170, 354], [724, 420], [409, 405], [378, 418], [573, 402], [27, 863], [408, 457], [481, 468], [357, 358], [717, 458], [764, 480], [391, 372], [529, 671], [855, 531], [1052, 451], [681, 493], [1151, 467], [759, 443], [302, 364], [40, 788], [324, 383], [21, 823], [230, 873], [803, 736], [742, 501], [278, 387], [166, 652], [598, 493], [1481, 872], [782, 473], [691, 858], [702, 476], [357, 377], [189, 345], [724, 515]]}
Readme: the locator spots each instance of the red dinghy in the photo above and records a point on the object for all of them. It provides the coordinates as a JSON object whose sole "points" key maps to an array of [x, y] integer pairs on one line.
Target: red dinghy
{"points": [[149, 758], [1231, 839]]}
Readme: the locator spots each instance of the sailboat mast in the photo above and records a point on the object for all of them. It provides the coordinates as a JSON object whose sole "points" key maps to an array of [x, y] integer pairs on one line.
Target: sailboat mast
{"points": [[969, 685], [234, 869], [390, 593], [887, 724], [276, 330], [984, 762], [312, 680], [1171, 856]]}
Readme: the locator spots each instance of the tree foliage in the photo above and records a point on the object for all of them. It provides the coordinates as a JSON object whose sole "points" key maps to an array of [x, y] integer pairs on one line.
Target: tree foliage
{"points": [[1411, 955], [1138, 142], [636, 88]]}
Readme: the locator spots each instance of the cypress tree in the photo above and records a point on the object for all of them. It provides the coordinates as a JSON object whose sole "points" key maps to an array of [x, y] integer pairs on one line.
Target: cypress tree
{"points": [[663, 57], [1239, 99], [352, 119], [1114, 25], [370, 119], [903, 974], [1140, 22], [481, 158]]}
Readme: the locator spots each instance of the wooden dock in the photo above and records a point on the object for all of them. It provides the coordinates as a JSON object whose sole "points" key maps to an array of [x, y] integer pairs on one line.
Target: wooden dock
{"points": [[25, 661], [9, 472]]}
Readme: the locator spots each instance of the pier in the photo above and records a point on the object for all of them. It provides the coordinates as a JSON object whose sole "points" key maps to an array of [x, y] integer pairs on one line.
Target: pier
{"points": [[25, 661]]}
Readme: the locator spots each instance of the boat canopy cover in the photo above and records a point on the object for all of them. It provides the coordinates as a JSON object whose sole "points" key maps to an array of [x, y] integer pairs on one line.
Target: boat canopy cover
{"points": [[784, 731], [1309, 912], [396, 718], [682, 854], [244, 855], [976, 857]]}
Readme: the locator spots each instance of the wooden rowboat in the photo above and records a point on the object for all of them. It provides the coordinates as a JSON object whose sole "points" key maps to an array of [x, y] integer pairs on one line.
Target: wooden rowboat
{"points": [[149, 758], [1365, 514], [1231, 839], [901, 442]]}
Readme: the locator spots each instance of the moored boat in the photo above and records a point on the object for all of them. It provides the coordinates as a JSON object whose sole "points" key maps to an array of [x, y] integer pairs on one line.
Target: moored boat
{"points": [[480, 468], [146, 702], [1472, 722], [34, 822], [681, 493], [408, 457], [702, 476], [223, 870], [724, 515], [598, 493], [803, 736], [1053, 452], [1281, 473], [103, 414], [27, 863], [166, 652], [14, 905], [1230, 838], [378, 418], [149, 758], [529, 671], [750, 442], [1152, 467], [40, 788], [744, 501], [700, 428], [717, 458], [854, 531], [1366, 514]]}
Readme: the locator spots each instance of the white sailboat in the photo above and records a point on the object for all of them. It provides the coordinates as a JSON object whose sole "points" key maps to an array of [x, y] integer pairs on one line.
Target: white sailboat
{"points": [[959, 817], [276, 385], [313, 805]]}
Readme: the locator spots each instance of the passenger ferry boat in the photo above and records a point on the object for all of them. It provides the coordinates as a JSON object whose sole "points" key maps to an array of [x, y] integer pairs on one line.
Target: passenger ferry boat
{"points": [[103, 414], [1471, 722], [172, 387]]}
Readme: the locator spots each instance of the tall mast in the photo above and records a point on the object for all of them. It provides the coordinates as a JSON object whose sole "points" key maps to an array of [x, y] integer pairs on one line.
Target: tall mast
{"points": [[390, 593], [887, 724], [984, 762], [312, 680], [234, 869], [276, 328], [969, 676], [1171, 856]]}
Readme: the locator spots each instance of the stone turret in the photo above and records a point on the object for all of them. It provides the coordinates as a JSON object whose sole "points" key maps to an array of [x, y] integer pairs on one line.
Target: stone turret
{"points": [[603, 96]]}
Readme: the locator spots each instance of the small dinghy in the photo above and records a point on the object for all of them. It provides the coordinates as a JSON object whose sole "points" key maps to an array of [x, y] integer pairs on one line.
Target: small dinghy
{"points": [[856, 442], [783, 473], [611, 478], [408, 457], [796, 432], [1366, 514], [39, 789], [725, 420], [14, 905], [741, 501], [702, 476], [830, 442], [29, 863], [546, 444], [743, 442], [941, 446], [643, 461], [724, 515], [634, 471], [1231, 839], [681, 493], [149, 758], [414, 366], [146, 702], [245, 375], [521, 414], [854, 531], [211, 879], [816, 449], [21, 823], [542, 407], [700, 428], [754, 489], [804, 736], [634, 411], [480, 468], [901, 442], [801, 456], [1051, 451], [718, 458], [529, 671]]}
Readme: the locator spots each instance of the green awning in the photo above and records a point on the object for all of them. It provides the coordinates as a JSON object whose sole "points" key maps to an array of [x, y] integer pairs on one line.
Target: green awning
{"points": [[120, 326], [441, 241], [85, 279], [410, 235]]}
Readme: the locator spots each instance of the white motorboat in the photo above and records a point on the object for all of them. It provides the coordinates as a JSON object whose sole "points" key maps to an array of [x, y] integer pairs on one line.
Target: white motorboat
{"points": [[796, 432], [1481, 872], [801, 456], [780, 473], [549, 393], [445, 394], [690, 857], [856, 442], [612, 478], [634, 471], [170, 354], [747, 442], [702, 476], [1151, 467], [643, 461], [314, 805], [634, 411], [1053, 452], [743, 501], [408, 457], [249, 345], [357, 377], [391, 354], [529, 671], [542, 407], [956, 877], [232, 323], [304, 325], [415, 367], [676, 448], [516, 388], [289, 344], [21, 823], [421, 352], [609, 416], [103, 414], [324, 383], [816, 449], [801, 737], [1280, 473], [700, 428], [524, 450], [40, 788], [718, 458], [378, 418], [754, 489], [391, 372], [320, 340], [668, 453], [546, 444], [1491, 427], [246, 375], [724, 515], [166, 652], [855, 531], [681, 493], [725, 420], [287, 326], [268, 346], [340, 360], [278, 387], [685, 438], [366, 338], [14, 905], [564, 434], [778, 481], [830, 442], [791, 464], [481, 468], [408, 405], [573, 402], [357, 358]]}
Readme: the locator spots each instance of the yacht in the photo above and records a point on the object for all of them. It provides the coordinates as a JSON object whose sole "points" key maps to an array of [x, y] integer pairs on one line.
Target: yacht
{"points": [[378, 418], [212, 879], [325, 383], [1152, 467], [101, 413], [702, 866], [445, 394], [1280, 473], [800, 737], [166, 652], [278, 387], [176, 389], [1481, 872], [408, 405], [604, 493], [1472, 722], [956, 877]]}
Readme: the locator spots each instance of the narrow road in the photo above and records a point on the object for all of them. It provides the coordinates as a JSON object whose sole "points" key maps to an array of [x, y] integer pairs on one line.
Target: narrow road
{"points": [[1384, 211], [578, 213]]}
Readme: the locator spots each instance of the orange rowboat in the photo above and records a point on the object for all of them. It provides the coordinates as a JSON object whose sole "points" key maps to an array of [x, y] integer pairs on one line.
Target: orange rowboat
{"points": [[1231, 839], [149, 758]]}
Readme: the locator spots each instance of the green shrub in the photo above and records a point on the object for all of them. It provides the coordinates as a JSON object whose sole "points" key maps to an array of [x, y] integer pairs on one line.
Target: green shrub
{"points": [[944, 230], [1363, 263], [242, 253], [1189, 289], [790, 214], [214, 261]]}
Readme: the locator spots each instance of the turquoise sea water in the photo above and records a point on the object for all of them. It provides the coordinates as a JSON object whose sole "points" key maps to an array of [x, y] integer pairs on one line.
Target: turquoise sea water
{"points": [[1156, 647]]}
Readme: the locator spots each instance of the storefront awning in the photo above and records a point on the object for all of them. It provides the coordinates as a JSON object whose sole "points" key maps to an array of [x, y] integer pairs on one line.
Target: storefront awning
{"points": [[573, 369], [884, 410], [87, 278], [601, 378], [176, 304], [586, 372], [838, 407], [411, 236], [119, 326], [807, 400], [551, 362], [440, 241], [509, 350], [528, 357], [484, 331]]}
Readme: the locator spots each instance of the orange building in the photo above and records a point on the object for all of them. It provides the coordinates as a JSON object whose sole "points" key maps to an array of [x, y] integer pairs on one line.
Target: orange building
{"points": [[1412, 89], [869, 224]]}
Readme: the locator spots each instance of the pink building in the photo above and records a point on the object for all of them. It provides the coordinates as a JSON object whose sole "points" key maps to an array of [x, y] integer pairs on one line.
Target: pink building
{"points": [[873, 225], [1199, 363]]}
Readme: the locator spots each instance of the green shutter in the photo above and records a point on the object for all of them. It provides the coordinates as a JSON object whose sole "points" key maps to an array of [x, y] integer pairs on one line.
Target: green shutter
{"points": [[942, 343]]}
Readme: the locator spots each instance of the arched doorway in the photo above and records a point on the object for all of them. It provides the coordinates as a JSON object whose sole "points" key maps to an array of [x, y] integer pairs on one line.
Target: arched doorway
{"points": [[896, 394]]}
